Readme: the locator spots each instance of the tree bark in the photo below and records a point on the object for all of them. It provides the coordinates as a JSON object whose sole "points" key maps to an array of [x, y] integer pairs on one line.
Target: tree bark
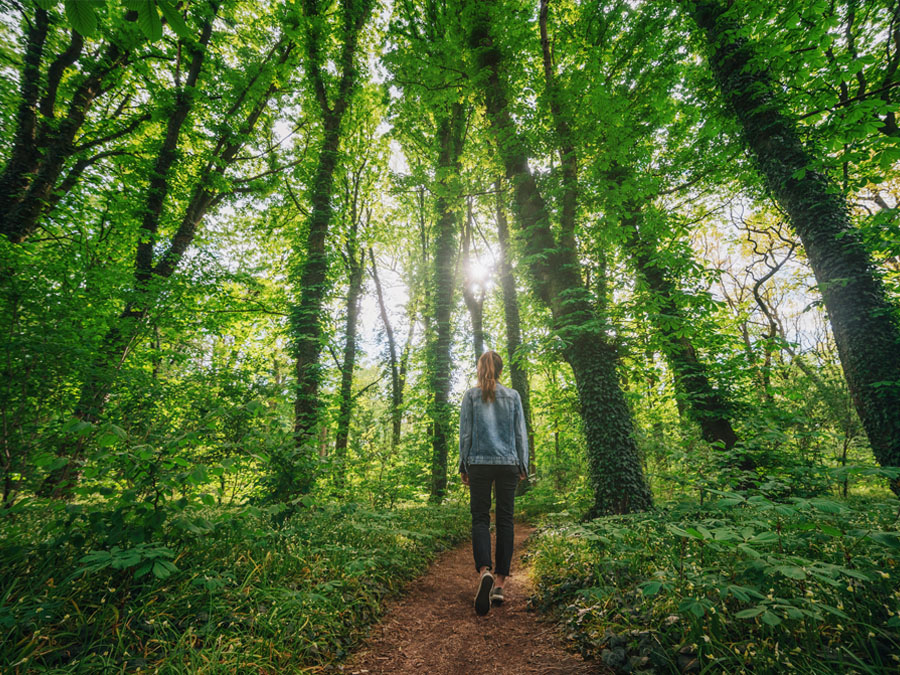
{"points": [[473, 292], [355, 268], [396, 387], [706, 404], [305, 319], [450, 130], [616, 474], [518, 375], [863, 320]]}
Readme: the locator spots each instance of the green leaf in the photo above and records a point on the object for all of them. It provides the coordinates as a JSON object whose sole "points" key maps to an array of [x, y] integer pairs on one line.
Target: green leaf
{"points": [[149, 21], [770, 618], [45, 4], [651, 587], [174, 19], [791, 571], [750, 613], [82, 17]]}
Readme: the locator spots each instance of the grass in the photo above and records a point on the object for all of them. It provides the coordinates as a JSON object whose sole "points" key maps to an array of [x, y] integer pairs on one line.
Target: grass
{"points": [[239, 595]]}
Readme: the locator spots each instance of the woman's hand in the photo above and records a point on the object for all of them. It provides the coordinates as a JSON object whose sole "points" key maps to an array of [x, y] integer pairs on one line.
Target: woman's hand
{"points": [[522, 475], [465, 478]]}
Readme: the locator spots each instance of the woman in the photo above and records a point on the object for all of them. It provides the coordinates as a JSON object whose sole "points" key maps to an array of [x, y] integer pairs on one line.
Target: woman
{"points": [[493, 449]]}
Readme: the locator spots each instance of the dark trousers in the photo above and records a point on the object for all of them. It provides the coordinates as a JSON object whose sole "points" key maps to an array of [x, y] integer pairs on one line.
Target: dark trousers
{"points": [[505, 478]]}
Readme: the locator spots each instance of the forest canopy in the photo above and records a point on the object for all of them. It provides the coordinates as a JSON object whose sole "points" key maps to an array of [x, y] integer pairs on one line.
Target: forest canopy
{"points": [[252, 249]]}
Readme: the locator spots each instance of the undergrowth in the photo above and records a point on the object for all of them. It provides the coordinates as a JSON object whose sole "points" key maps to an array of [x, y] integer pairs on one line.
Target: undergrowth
{"points": [[235, 595], [739, 584]]}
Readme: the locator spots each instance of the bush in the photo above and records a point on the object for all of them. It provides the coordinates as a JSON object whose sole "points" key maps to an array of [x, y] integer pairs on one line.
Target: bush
{"points": [[235, 597], [745, 584]]}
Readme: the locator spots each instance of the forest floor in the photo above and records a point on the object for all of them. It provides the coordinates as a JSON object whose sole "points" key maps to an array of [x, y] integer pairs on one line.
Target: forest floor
{"points": [[433, 628]]}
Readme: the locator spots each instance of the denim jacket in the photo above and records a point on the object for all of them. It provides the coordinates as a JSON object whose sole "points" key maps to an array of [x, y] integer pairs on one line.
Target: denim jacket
{"points": [[493, 432]]}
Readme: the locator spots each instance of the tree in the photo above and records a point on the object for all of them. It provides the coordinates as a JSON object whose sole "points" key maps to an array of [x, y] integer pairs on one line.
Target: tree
{"points": [[615, 468], [864, 322], [306, 331]]}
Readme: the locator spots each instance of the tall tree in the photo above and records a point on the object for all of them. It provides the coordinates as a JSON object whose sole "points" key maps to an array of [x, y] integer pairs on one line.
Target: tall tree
{"points": [[248, 103], [473, 288], [864, 322], [306, 329], [355, 262], [449, 137], [518, 374], [615, 468]]}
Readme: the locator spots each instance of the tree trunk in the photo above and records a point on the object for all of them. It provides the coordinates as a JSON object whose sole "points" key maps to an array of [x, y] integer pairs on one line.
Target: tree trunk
{"points": [[43, 143], [449, 136], [297, 475], [863, 321], [616, 474], [518, 375], [396, 389], [356, 267], [706, 404], [473, 291]]}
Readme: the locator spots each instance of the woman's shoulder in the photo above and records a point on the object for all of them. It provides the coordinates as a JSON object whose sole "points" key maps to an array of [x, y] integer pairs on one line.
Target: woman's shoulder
{"points": [[506, 391]]}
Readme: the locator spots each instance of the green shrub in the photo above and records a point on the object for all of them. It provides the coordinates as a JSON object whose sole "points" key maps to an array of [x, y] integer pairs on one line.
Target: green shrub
{"points": [[235, 596], [738, 585]]}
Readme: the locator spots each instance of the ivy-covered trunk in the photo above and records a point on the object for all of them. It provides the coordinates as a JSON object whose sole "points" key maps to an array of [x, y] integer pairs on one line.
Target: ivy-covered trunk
{"points": [[43, 142], [440, 336], [518, 375], [706, 404], [864, 322], [616, 474], [356, 266], [295, 473]]}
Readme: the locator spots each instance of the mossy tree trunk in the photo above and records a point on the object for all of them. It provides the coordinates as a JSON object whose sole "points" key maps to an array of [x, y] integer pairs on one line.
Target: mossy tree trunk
{"points": [[863, 321], [439, 338], [295, 474], [615, 468], [706, 404], [518, 374], [355, 258]]}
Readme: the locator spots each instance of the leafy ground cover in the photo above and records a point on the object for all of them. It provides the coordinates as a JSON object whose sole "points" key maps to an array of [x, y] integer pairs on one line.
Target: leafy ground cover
{"points": [[234, 593], [738, 584]]}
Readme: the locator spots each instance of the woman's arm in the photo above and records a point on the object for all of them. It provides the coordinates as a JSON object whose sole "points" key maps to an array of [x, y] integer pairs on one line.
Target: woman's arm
{"points": [[521, 436], [465, 432]]}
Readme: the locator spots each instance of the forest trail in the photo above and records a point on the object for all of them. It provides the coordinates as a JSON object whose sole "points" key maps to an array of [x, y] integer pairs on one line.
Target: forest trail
{"points": [[433, 628]]}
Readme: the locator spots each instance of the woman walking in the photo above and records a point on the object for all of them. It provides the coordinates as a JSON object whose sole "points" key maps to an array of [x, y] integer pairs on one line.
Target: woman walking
{"points": [[493, 450]]}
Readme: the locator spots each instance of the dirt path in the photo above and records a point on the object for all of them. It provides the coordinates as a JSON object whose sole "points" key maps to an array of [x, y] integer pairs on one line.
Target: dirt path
{"points": [[433, 628]]}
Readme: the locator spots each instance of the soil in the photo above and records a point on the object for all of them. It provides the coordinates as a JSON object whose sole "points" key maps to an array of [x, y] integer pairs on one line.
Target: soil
{"points": [[433, 628]]}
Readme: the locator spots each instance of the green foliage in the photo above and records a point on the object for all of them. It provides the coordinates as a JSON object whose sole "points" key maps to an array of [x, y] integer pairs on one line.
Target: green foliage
{"points": [[743, 583], [239, 594]]}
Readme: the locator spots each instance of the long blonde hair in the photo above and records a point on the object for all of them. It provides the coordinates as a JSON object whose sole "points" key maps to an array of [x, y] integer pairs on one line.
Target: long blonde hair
{"points": [[490, 365]]}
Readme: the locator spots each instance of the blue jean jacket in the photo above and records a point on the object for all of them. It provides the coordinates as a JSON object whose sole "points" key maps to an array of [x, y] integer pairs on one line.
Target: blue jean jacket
{"points": [[493, 432]]}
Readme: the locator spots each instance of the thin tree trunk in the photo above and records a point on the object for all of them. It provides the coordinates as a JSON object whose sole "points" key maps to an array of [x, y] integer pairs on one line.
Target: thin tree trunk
{"points": [[356, 259], [450, 137], [473, 292], [615, 468], [518, 375], [706, 404], [863, 321], [396, 390]]}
